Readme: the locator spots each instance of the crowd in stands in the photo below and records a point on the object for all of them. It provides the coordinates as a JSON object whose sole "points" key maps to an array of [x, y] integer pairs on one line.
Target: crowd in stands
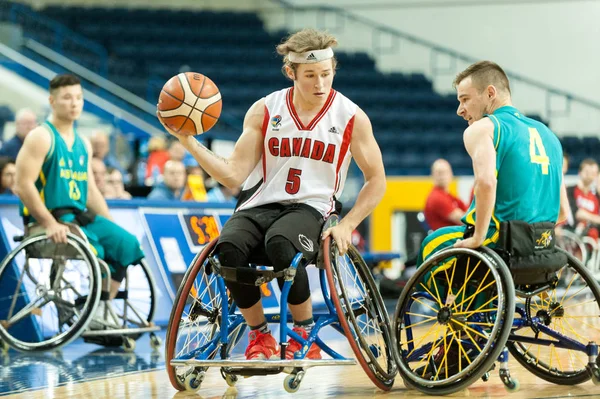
{"points": [[168, 172]]}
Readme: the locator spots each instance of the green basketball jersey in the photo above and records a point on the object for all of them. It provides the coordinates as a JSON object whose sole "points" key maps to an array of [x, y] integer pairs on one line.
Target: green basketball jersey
{"points": [[63, 179], [528, 167]]}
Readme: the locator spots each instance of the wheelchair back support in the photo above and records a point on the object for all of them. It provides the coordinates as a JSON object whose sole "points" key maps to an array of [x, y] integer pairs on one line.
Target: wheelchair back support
{"points": [[529, 251]]}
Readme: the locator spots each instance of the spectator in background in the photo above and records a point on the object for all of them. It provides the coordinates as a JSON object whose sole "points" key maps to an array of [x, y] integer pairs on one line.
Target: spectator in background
{"points": [[101, 149], [99, 171], [157, 157], [8, 172], [171, 188], [25, 122], [584, 202], [442, 208], [114, 184], [220, 193]]}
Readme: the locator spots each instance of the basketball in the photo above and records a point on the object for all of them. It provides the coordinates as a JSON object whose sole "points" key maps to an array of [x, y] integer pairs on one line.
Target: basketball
{"points": [[189, 103]]}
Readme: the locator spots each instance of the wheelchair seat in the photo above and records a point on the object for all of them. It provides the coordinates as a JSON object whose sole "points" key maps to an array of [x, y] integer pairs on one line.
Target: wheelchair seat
{"points": [[530, 251]]}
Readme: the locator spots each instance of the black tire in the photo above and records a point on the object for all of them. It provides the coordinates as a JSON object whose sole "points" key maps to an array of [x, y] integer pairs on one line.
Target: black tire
{"points": [[72, 320], [540, 366], [376, 359], [500, 325]]}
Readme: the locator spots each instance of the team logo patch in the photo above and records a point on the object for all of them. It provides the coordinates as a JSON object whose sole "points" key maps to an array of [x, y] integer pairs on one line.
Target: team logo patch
{"points": [[70, 163], [276, 121], [81, 159], [545, 240], [333, 130], [306, 242]]}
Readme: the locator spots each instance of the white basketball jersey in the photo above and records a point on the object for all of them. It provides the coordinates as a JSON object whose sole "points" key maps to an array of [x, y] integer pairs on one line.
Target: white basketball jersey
{"points": [[302, 164]]}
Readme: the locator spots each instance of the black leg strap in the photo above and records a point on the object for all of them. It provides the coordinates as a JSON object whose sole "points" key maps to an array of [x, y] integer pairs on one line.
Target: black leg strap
{"points": [[249, 275]]}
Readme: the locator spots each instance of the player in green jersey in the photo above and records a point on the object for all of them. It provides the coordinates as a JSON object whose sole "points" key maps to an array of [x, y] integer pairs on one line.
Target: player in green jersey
{"points": [[517, 163], [55, 183]]}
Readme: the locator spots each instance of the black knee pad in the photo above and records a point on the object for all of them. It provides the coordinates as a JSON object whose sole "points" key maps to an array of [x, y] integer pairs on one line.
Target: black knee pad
{"points": [[281, 252], [245, 296]]}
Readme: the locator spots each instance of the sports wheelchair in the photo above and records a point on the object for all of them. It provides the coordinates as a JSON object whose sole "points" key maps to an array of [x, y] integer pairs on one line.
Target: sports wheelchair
{"points": [[204, 326], [50, 293], [464, 309]]}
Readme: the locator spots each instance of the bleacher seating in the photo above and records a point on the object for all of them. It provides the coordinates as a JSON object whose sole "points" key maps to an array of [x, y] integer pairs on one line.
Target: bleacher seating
{"points": [[413, 124]]}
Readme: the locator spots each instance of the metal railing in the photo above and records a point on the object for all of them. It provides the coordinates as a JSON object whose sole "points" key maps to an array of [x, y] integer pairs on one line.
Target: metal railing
{"points": [[92, 98], [94, 66]]}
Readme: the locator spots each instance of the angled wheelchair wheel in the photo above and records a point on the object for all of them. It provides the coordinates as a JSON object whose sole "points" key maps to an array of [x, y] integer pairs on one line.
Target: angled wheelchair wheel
{"points": [[362, 313], [452, 320], [573, 244], [48, 292], [572, 308], [195, 322]]}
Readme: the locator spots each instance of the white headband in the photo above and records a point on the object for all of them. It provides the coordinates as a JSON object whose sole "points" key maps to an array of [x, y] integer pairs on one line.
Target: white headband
{"points": [[311, 56]]}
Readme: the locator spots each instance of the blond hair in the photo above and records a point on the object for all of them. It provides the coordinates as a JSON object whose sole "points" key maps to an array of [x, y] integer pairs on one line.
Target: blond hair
{"points": [[483, 74], [302, 41]]}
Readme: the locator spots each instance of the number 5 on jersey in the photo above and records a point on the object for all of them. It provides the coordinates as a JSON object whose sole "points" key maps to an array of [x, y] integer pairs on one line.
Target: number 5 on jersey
{"points": [[537, 151], [292, 186]]}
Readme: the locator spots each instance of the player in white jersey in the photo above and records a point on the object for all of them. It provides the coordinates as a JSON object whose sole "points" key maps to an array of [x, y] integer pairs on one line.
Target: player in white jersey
{"points": [[292, 157]]}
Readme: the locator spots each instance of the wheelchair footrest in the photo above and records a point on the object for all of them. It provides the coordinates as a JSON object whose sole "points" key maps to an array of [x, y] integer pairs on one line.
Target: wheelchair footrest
{"points": [[263, 364], [120, 331]]}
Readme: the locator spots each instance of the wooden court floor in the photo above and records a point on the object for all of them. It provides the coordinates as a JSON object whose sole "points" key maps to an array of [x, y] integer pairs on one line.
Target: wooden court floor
{"points": [[322, 382], [326, 382]]}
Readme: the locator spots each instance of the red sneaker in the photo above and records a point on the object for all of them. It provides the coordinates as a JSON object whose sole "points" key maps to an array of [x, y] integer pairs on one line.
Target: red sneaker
{"points": [[294, 346], [261, 347]]}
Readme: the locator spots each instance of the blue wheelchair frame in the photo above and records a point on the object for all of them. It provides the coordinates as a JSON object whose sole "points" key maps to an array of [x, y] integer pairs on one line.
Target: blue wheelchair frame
{"points": [[230, 321]]}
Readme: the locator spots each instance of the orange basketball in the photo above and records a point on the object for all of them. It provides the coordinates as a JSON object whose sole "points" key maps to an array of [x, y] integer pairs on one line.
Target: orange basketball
{"points": [[189, 103]]}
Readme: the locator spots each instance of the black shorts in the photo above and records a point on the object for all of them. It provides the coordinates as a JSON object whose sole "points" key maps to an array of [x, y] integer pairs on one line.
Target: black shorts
{"points": [[250, 229]]}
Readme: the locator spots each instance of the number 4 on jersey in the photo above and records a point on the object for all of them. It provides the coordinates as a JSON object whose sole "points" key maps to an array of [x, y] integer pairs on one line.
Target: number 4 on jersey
{"points": [[537, 150]]}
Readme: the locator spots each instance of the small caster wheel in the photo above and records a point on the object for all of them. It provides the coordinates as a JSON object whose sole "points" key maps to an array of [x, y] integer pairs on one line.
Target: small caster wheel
{"points": [[193, 381], [485, 377], [231, 379], [290, 384], [128, 344], [512, 385], [155, 342]]}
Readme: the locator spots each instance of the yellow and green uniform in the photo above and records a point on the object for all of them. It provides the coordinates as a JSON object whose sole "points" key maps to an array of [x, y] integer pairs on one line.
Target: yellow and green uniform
{"points": [[63, 183], [529, 172]]}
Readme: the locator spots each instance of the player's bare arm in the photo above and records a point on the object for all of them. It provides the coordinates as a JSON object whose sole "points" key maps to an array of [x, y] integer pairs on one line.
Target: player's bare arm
{"points": [[565, 208], [367, 155], [233, 171], [478, 139], [95, 200], [29, 165]]}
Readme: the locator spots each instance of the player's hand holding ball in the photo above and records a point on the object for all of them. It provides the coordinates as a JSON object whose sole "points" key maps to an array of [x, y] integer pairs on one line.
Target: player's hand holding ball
{"points": [[189, 104]]}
